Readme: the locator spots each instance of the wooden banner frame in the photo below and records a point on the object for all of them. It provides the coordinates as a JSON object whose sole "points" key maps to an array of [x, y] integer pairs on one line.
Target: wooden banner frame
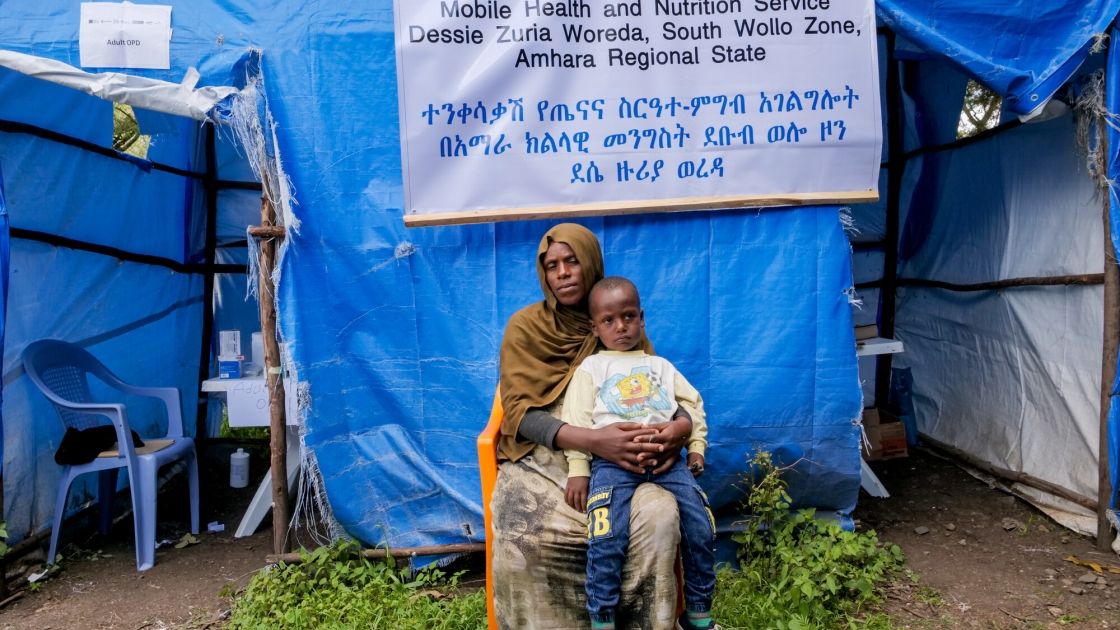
{"points": [[682, 204]]}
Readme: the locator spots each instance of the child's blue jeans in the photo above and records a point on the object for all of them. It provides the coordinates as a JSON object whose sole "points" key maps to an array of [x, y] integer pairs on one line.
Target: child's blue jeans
{"points": [[608, 534]]}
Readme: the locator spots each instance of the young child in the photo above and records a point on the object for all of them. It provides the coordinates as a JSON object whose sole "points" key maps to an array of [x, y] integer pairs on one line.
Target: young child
{"points": [[621, 384]]}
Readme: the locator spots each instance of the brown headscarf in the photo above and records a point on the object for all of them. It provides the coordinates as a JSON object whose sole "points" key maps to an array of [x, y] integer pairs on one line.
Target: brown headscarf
{"points": [[544, 341]]}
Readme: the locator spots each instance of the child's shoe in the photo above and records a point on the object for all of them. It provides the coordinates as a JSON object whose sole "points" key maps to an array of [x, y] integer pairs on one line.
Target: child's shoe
{"points": [[705, 623]]}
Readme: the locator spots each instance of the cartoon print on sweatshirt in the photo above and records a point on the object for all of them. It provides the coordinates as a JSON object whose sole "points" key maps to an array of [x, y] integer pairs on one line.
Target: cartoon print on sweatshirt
{"points": [[635, 394]]}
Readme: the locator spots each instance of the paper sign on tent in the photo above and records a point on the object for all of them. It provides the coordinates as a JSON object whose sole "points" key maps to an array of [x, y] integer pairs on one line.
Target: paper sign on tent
{"points": [[125, 35], [247, 402]]}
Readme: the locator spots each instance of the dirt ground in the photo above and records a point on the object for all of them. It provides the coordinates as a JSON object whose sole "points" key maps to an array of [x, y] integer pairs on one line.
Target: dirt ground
{"points": [[975, 567], [99, 587], [971, 571]]}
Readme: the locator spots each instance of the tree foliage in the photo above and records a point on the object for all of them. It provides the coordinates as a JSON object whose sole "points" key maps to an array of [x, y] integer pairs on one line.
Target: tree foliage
{"points": [[126, 132], [980, 110]]}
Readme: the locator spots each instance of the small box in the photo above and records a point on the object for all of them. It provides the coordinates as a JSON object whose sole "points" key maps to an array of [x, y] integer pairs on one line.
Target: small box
{"points": [[885, 434], [892, 440], [869, 331], [229, 343], [229, 367]]}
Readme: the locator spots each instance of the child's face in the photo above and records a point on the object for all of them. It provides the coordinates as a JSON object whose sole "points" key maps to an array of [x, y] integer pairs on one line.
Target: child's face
{"points": [[616, 318]]}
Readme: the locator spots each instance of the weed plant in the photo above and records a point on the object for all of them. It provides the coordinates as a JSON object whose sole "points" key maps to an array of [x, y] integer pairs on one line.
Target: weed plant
{"points": [[334, 587], [799, 572], [796, 573]]}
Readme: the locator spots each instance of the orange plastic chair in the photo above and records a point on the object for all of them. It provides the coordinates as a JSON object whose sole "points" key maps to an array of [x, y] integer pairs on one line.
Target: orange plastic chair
{"points": [[488, 469]]}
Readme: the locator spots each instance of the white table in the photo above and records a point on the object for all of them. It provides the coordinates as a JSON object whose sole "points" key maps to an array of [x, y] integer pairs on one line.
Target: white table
{"points": [[866, 348], [877, 345], [247, 404]]}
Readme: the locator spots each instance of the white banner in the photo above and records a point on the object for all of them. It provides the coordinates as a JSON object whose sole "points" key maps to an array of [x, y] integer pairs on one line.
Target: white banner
{"points": [[518, 108]]}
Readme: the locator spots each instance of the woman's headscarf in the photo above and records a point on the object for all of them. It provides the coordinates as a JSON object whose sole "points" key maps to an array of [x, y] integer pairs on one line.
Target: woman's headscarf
{"points": [[544, 341]]}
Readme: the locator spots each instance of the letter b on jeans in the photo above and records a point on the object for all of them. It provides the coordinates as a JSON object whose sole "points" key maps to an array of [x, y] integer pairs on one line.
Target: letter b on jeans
{"points": [[599, 515]]}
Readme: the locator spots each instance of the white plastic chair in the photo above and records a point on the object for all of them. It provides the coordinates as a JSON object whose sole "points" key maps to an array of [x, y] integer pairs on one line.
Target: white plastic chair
{"points": [[60, 370]]}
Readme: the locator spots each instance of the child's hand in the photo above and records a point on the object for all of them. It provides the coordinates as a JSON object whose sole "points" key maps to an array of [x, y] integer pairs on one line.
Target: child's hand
{"points": [[575, 494], [696, 464]]}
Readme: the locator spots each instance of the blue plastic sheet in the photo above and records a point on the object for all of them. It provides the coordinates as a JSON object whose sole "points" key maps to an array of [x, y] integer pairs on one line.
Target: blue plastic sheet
{"points": [[1023, 50], [750, 305], [397, 330], [142, 320]]}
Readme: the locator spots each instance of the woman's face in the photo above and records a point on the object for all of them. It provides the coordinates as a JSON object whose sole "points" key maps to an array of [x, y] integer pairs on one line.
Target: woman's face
{"points": [[564, 274]]}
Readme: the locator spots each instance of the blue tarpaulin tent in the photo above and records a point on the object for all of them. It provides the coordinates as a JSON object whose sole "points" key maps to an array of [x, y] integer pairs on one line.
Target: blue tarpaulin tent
{"points": [[396, 331]]}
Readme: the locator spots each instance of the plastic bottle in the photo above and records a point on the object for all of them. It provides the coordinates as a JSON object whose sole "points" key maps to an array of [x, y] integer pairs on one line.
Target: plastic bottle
{"points": [[239, 469]]}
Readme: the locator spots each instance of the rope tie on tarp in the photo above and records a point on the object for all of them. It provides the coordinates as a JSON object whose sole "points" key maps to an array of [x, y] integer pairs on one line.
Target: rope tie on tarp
{"points": [[1092, 118], [253, 274]]}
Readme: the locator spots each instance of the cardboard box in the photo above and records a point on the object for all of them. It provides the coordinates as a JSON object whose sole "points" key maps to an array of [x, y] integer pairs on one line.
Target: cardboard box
{"points": [[892, 440], [869, 331], [885, 434]]}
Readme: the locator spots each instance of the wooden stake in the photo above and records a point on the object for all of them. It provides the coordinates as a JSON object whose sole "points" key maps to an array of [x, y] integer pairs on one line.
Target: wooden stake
{"points": [[896, 168], [1108, 375], [616, 208], [1008, 283], [267, 231], [399, 552], [1010, 475], [3, 564], [274, 378]]}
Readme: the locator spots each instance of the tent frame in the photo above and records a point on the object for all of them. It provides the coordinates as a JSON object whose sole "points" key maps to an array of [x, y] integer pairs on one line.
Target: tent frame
{"points": [[212, 186], [890, 281]]}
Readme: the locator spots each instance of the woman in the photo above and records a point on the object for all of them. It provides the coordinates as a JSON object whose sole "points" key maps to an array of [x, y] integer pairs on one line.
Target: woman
{"points": [[539, 541]]}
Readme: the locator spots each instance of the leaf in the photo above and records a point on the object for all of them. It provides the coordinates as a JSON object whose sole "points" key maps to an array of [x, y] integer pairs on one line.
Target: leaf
{"points": [[187, 540], [430, 593], [1095, 566]]}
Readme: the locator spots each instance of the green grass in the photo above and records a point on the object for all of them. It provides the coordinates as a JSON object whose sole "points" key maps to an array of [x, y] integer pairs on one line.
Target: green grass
{"points": [[246, 433], [798, 573], [335, 588], [930, 597]]}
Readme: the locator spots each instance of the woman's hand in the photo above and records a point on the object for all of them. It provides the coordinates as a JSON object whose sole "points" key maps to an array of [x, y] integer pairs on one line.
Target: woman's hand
{"points": [[670, 438], [627, 444]]}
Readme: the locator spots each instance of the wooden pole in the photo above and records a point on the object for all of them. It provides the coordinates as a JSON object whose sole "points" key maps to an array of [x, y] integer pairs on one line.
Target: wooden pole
{"points": [[398, 552], [3, 563], [617, 208], [896, 167], [1111, 319], [1012, 476], [267, 231], [1083, 279], [21, 548], [1108, 376], [274, 378], [210, 186]]}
